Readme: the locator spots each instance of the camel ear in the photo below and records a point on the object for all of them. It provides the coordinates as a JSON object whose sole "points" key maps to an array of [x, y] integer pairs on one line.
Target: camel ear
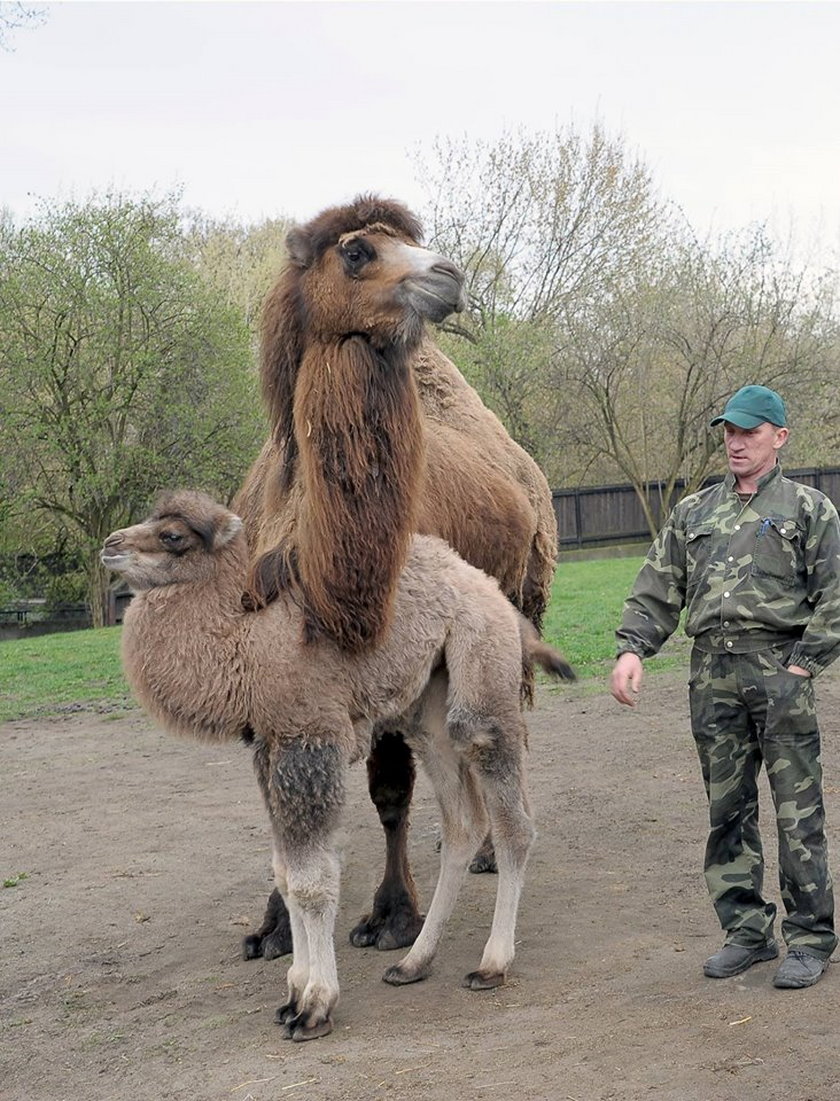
{"points": [[299, 247], [229, 526]]}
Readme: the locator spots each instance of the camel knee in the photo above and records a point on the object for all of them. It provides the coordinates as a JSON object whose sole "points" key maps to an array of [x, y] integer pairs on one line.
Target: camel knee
{"points": [[304, 790], [469, 726]]}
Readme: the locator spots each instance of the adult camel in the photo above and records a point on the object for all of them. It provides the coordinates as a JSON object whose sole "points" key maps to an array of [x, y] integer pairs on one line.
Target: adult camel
{"points": [[376, 435]]}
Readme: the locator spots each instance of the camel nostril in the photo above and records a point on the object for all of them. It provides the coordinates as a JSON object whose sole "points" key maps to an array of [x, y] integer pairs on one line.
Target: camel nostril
{"points": [[446, 267]]}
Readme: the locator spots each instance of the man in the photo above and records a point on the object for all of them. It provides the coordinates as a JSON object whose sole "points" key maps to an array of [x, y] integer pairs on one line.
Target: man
{"points": [[755, 561]]}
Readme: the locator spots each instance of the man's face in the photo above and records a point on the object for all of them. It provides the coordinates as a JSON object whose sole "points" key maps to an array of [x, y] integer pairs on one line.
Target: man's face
{"points": [[752, 451]]}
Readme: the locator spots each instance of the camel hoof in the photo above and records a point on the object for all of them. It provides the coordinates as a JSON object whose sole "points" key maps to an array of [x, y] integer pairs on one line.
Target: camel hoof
{"points": [[274, 937], [252, 947], [276, 944], [398, 930], [301, 1026], [286, 1013], [484, 860], [270, 947], [364, 934], [312, 1032], [483, 980], [400, 976]]}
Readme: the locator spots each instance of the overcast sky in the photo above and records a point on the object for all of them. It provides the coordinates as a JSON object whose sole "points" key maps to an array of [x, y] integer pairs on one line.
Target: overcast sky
{"points": [[263, 109]]}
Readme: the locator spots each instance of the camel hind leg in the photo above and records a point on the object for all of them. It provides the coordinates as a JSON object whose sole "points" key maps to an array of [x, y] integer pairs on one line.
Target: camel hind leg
{"points": [[485, 720], [501, 771], [464, 824]]}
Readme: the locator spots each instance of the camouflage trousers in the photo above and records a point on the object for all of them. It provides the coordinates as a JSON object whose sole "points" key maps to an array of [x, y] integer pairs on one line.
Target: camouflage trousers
{"points": [[747, 709]]}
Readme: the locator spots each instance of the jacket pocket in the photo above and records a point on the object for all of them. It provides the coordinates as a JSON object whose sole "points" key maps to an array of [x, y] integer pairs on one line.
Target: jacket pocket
{"points": [[698, 549], [777, 549]]}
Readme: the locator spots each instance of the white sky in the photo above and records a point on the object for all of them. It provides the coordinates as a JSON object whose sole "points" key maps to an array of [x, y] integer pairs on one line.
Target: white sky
{"points": [[263, 109]]}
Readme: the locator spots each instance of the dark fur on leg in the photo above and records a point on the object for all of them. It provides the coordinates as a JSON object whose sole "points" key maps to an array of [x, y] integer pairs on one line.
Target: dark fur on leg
{"points": [[485, 859], [274, 936], [395, 919]]}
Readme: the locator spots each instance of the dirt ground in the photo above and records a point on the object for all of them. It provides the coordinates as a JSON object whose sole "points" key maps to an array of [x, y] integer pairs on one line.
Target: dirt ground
{"points": [[146, 860]]}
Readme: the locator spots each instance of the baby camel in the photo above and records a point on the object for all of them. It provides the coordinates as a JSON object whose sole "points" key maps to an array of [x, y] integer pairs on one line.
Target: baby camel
{"points": [[447, 671]]}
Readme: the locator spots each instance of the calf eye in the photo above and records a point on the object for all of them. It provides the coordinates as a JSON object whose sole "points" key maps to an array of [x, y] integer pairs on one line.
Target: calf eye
{"points": [[171, 539]]}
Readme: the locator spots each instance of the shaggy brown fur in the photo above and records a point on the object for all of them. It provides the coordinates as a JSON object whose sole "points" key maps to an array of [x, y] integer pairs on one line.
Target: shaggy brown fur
{"points": [[446, 673], [351, 470], [338, 333]]}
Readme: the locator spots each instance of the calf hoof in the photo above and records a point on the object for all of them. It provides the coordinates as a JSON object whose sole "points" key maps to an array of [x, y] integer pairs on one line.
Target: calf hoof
{"points": [[388, 931], [483, 980], [285, 1012], [302, 1026], [399, 975]]}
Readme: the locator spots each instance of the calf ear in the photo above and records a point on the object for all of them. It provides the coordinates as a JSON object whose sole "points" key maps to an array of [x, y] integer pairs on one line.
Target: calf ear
{"points": [[228, 526]]}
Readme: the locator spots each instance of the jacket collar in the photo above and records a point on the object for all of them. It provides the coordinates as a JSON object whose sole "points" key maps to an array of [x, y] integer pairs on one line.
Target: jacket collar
{"points": [[764, 480]]}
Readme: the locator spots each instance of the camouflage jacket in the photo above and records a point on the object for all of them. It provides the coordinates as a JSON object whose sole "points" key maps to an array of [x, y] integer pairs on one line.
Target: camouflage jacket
{"points": [[748, 575]]}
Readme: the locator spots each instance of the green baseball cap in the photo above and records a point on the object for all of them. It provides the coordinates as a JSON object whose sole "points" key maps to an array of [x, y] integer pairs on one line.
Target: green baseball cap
{"points": [[751, 406]]}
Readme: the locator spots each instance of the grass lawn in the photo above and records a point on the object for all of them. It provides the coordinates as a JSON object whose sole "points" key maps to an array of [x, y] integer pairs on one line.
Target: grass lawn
{"points": [[81, 669], [51, 673], [584, 612]]}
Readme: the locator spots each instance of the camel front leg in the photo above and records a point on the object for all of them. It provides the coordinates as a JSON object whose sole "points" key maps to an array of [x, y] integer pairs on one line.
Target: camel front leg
{"points": [[303, 784], [312, 980], [395, 919], [298, 974]]}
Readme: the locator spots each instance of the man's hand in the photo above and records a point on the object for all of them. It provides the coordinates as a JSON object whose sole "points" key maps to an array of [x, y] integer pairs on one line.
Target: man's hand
{"points": [[798, 670], [626, 679]]}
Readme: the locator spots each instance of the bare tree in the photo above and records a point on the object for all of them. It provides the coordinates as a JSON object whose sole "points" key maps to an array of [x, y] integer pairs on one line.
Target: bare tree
{"points": [[652, 364], [541, 222], [17, 16]]}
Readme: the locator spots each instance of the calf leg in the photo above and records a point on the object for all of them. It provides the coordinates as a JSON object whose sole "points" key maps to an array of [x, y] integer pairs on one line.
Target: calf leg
{"points": [[395, 920], [303, 786], [312, 980], [501, 770], [463, 825]]}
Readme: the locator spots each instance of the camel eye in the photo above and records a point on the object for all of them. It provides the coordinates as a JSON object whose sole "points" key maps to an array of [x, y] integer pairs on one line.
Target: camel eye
{"points": [[356, 254], [171, 539]]}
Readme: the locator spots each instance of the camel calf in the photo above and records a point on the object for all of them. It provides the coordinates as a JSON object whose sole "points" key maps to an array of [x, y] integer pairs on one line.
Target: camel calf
{"points": [[447, 673]]}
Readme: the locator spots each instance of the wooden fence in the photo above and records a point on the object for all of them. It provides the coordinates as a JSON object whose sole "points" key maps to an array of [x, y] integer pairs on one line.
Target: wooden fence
{"points": [[599, 516]]}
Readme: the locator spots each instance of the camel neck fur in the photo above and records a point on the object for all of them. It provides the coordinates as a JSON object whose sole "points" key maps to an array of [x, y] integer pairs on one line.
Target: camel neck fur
{"points": [[361, 453], [195, 629]]}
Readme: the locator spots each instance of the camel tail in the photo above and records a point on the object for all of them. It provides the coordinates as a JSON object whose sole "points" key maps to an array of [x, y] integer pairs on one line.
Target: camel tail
{"points": [[539, 652]]}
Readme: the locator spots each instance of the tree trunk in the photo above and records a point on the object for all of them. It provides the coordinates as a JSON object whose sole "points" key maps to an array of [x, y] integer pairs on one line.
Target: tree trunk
{"points": [[98, 593]]}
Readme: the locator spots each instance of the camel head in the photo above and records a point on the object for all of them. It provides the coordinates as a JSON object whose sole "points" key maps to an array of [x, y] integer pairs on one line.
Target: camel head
{"points": [[360, 270], [179, 541]]}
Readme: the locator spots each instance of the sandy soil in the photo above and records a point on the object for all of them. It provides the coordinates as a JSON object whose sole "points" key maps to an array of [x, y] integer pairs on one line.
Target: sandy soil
{"points": [[147, 859]]}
